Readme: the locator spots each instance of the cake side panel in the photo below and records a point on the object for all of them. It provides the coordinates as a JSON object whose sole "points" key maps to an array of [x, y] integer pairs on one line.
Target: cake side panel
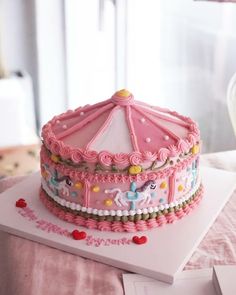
{"points": [[108, 194]]}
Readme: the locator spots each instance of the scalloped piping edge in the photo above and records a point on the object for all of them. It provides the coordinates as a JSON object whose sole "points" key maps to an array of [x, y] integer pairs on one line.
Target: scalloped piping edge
{"points": [[117, 178]]}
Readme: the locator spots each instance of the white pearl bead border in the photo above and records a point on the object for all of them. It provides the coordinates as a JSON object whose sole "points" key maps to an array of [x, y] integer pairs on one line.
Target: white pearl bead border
{"points": [[78, 207]]}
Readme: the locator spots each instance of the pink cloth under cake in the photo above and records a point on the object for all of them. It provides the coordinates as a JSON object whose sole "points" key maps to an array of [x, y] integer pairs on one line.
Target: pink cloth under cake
{"points": [[30, 268]]}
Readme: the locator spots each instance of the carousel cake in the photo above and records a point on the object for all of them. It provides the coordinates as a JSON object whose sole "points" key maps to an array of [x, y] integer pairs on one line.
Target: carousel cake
{"points": [[120, 165]]}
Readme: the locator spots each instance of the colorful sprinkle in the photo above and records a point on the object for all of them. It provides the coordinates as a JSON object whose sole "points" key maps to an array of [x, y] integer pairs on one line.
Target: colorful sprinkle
{"points": [[139, 240], [108, 202], [161, 200], [78, 185], [180, 187], [55, 158], [135, 169], [195, 149], [96, 188], [21, 203], [163, 185], [44, 174]]}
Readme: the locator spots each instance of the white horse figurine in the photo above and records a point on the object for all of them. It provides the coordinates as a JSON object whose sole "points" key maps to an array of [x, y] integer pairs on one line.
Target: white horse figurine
{"points": [[141, 195]]}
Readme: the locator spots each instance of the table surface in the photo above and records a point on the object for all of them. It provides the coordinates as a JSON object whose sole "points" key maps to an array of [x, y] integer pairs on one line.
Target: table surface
{"points": [[27, 267]]}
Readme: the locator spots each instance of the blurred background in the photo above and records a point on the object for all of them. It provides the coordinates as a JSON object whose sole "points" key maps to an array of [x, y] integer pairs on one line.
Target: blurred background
{"points": [[61, 54]]}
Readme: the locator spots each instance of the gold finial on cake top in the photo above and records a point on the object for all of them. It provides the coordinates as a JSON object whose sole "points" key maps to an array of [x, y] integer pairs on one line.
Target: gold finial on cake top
{"points": [[123, 93]]}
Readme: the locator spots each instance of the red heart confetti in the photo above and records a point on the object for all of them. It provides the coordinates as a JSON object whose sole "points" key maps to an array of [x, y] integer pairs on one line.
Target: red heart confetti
{"points": [[78, 235], [139, 240], [21, 203]]}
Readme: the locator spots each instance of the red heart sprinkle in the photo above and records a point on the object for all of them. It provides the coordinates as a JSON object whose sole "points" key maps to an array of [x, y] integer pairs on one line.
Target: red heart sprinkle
{"points": [[139, 240], [21, 203], [78, 235]]}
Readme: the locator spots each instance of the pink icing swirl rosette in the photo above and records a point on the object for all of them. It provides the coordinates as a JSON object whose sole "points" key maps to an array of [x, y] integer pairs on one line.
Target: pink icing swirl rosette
{"points": [[152, 223], [183, 146], [135, 158], [141, 225], [105, 158], [79, 220], [121, 159], [191, 139], [65, 152], [104, 225], [117, 226], [149, 156], [90, 156], [76, 156], [163, 154], [161, 220], [91, 223], [173, 150], [55, 146]]}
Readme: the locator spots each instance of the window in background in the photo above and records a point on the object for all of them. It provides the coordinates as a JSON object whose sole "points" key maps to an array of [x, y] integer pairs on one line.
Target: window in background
{"points": [[178, 54], [90, 50]]}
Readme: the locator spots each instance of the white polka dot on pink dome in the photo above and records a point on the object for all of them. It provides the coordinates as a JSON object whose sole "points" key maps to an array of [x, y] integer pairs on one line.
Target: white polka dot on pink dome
{"points": [[142, 120], [64, 126], [166, 137], [81, 113], [58, 121], [148, 139]]}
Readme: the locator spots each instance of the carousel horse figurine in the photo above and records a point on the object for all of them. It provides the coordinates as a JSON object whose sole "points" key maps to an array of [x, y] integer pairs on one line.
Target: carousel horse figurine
{"points": [[142, 195]]}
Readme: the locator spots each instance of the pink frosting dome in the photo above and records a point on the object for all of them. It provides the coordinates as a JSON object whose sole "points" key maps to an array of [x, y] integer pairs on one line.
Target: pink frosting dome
{"points": [[120, 131]]}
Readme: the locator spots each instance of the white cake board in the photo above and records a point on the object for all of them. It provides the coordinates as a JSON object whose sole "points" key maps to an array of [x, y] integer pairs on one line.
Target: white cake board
{"points": [[194, 282], [164, 255]]}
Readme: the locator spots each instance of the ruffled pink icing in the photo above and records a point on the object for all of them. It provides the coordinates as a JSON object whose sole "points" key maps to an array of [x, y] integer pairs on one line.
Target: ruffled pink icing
{"points": [[182, 146], [135, 158], [149, 156], [141, 225], [79, 220], [104, 225], [191, 139], [117, 226], [76, 156], [173, 151], [121, 159], [105, 158], [55, 146], [161, 220], [171, 217], [65, 152], [111, 177], [152, 223], [163, 154], [90, 156], [180, 213], [91, 223], [187, 209], [129, 227]]}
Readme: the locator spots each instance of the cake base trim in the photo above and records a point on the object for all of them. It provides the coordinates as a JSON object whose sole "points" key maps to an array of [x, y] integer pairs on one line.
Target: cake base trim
{"points": [[166, 216]]}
